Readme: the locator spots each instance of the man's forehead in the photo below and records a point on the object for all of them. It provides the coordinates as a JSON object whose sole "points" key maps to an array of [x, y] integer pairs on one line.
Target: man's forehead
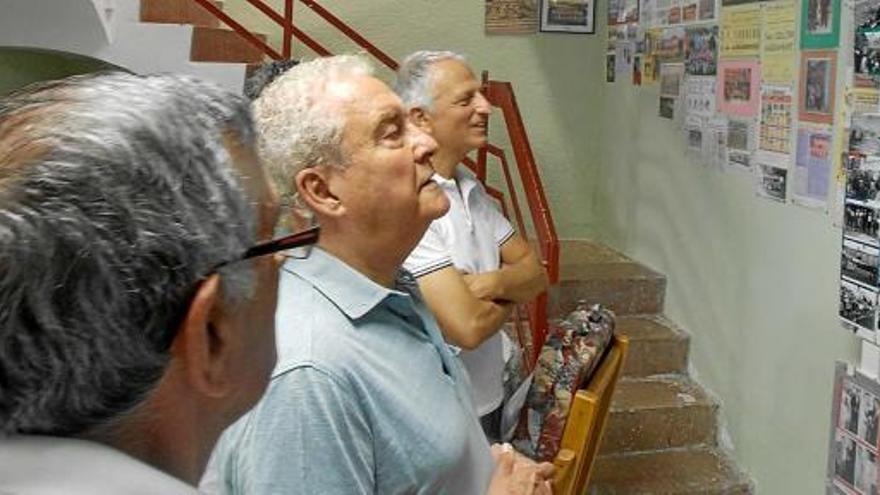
{"points": [[365, 96], [453, 74]]}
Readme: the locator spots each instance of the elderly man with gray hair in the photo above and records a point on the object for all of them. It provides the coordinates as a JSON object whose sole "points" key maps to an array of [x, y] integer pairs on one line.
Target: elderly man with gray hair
{"points": [[366, 396], [136, 323], [471, 265]]}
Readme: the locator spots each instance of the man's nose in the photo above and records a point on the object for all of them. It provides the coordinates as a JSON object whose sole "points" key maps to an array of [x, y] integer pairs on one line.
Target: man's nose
{"points": [[482, 103], [422, 143]]}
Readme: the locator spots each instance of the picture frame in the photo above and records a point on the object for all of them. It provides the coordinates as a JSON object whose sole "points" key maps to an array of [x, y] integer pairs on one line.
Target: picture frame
{"points": [[568, 16], [817, 86], [738, 87], [820, 24]]}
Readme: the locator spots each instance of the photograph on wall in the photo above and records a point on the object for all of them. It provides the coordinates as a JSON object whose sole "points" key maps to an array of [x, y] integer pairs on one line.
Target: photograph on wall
{"points": [[740, 144], [667, 107], [569, 16], [670, 47], [860, 223], [775, 130], [673, 12], [866, 46], [741, 31], [855, 411], [701, 50], [858, 262], [812, 171], [864, 134], [708, 10], [818, 72], [820, 24], [671, 76], [511, 16], [689, 10], [623, 11], [779, 42], [610, 66], [699, 96], [772, 182], [738, 87], [858, 307], [863, 180], [863, 100]]}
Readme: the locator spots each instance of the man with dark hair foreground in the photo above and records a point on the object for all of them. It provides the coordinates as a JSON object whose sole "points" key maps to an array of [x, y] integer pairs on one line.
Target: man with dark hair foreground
{"points": [[136, 323]]}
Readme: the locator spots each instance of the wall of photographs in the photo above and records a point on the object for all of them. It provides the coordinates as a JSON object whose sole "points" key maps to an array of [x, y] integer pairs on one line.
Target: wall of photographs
{"points": [[854, 441], [751, 84]]}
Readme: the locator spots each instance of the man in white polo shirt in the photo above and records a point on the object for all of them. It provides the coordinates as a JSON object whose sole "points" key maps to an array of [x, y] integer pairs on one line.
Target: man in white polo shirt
{"points": [[471, 265]]}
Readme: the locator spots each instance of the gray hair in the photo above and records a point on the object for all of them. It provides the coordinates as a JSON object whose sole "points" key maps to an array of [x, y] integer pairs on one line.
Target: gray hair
{"points": [[264, 75], [414, 77], [298, 126], [117, 196]]}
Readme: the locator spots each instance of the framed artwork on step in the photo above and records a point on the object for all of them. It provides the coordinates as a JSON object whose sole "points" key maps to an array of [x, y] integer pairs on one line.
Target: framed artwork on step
{"points": [[568, 16]]}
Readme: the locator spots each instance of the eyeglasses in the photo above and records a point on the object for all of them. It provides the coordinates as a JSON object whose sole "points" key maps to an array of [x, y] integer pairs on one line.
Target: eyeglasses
{"points": [[299, 245]]}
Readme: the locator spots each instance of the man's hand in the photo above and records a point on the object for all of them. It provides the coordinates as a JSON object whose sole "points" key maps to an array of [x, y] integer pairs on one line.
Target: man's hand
{"points": [[516, 474], [485, 286]]}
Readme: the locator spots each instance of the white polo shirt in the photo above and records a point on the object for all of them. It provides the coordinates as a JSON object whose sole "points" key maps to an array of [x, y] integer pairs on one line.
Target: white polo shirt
{"points": [[468, 237]]}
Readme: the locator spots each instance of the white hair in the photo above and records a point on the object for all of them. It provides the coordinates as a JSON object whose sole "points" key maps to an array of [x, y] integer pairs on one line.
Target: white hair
{"points": [[415, 77], [298, 127]]}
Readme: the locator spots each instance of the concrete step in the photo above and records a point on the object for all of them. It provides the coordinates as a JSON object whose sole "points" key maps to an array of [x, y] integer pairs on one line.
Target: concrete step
{"points": [[178, 12], [659, 413], [597, 274], [704, 471], [223, 45], [656, 346]]}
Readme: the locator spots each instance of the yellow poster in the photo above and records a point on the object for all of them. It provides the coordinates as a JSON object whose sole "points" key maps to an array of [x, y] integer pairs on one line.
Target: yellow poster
{"points": [[741, 31], [864, 100], [779, 33]]}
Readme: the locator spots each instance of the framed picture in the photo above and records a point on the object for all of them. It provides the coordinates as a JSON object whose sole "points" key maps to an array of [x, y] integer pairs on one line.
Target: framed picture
{"points": [[737, 91], [568, 16], [816, 101], [820, 23]]}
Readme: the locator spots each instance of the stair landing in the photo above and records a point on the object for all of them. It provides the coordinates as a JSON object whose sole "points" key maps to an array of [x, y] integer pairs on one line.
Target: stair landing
{"points": [[662, 429]]}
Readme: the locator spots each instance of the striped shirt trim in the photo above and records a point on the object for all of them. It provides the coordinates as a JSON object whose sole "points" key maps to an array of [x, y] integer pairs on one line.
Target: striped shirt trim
{"points": [[431, 268], [506, 237]]}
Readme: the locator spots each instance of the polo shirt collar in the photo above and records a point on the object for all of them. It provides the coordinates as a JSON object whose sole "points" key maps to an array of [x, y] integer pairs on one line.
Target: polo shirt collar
{"points": [[348, 289], [463, 176]]}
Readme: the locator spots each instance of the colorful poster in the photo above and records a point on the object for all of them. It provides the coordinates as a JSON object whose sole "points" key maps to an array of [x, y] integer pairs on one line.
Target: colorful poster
{"points": [[699, 96], [778, 44], [774, 135], [818, 73], [623, 11], [650, 70], [511, 16], [741, 31], [820, 24], [738, 87], [701, 50], [671, 45], [864, 100], [812, 171]]}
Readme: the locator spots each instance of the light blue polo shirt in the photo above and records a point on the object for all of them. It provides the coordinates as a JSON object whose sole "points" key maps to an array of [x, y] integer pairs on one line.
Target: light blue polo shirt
{"points": [[366, 397]]}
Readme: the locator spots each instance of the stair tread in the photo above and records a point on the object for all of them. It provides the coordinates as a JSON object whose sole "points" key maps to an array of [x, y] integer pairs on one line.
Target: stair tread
{"points": [[604, 271], [681, 471], [580, 251], [648, 327], [657, 393]]}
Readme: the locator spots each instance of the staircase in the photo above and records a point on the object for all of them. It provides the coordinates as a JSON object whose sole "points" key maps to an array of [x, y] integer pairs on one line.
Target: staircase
{"points": [[143, 36], [662, 432]]}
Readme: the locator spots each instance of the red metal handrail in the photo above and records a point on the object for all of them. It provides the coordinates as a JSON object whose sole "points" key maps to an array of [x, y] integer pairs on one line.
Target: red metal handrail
{"points": [[499, 94]]}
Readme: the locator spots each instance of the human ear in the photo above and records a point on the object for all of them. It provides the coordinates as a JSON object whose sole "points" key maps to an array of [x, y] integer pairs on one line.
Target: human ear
{"points": [[420, 118], [205, 341], [315, 189]]}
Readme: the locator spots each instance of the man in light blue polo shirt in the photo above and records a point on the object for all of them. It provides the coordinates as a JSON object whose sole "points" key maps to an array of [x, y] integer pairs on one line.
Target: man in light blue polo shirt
{"points": [[366, 396]]}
